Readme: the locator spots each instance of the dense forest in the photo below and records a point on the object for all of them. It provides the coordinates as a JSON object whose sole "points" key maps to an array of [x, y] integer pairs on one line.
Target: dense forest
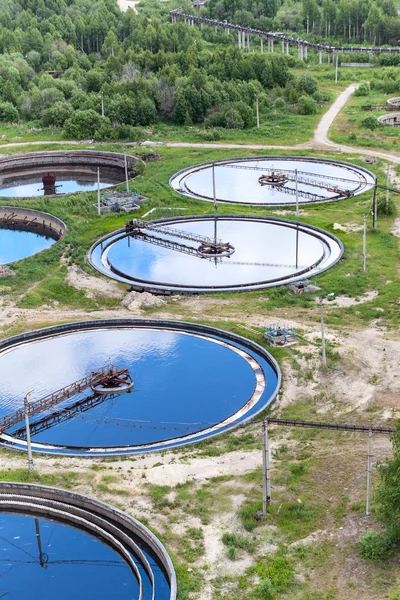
{"points": [[93, 71], [376, 21]]}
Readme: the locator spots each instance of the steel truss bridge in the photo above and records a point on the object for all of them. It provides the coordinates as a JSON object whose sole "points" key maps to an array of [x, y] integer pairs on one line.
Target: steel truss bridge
{"points": [[303, 45], [139, 229], [109, 377]]}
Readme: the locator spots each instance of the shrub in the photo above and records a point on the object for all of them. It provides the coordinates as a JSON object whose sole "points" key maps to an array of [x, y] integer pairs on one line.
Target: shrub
{"points": [[8, 112], [266, 590], [280, 104], [363, 90], [307, 105], [374, 546], [210, 135], [389, 210], [370, 122]]}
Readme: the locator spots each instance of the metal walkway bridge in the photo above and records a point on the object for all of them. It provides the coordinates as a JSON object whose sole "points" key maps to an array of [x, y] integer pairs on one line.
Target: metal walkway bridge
{"points": [[109, 377]]}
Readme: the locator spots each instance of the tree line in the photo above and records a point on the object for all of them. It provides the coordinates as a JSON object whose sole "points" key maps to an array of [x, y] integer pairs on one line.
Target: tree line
{"points": [[93, 71], [376, 21]]}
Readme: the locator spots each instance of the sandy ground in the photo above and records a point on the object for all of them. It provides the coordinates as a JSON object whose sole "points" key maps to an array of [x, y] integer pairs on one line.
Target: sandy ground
{"points": [[93, 286]]}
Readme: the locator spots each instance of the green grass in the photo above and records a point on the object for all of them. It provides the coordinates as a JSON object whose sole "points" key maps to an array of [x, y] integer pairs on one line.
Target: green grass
{"points": [[84, 227]]}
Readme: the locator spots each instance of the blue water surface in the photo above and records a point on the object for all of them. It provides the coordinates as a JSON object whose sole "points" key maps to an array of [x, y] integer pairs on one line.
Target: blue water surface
{"points": [[183, 384], [27, 190], [15, 245], [78, 566]]}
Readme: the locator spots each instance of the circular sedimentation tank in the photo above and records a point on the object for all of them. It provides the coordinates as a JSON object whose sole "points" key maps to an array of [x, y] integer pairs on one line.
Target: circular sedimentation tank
{"points": [[164, 256], [191, 382], [62, 172], [390, 120], [24, 232], [394, 101], [70, 546], [272, 181]]}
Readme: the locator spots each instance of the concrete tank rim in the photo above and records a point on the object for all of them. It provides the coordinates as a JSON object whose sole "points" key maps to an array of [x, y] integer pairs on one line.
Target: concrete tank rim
{"points": [[54, 330], [20, 155], [137, 527], [41, 213]]}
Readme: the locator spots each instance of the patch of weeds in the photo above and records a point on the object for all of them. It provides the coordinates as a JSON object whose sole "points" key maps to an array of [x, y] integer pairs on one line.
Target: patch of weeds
{"points": [[245, 441], [341, 509], [158, 495], [109, 479], [248, 512], [236, 542], [188, 583], [297, 519], [192, 544], [102, 487], [358, 506], [278, 570]]}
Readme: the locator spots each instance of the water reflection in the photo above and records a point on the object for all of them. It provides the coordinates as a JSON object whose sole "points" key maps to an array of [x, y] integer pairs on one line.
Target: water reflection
{"points": [[265, 251], [241, 185], [15, 245], [62, 187], [183, 384], [43, 560]]}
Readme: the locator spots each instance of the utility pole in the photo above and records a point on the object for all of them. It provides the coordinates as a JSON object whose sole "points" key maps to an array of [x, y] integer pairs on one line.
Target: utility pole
{"points": [[375, 208], [369, 474], [102, 104], [297, 193], [387, 190], [28, 433], [337, 67], [321, 299], [126, 172], [215, 205], [214, 188], [257, 112], [98, 192], [365, 244], [266, 468]]}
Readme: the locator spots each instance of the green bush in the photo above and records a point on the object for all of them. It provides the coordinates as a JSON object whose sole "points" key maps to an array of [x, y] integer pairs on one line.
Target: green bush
{"points": [[210, 135], [370, 122], [266, 590], [374, 546], [389, 210], [307, 105], [280, 104], [363, 90]]}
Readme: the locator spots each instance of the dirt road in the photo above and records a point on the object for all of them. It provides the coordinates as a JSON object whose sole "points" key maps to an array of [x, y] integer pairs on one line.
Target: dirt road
{"points": [[125, 4]]}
